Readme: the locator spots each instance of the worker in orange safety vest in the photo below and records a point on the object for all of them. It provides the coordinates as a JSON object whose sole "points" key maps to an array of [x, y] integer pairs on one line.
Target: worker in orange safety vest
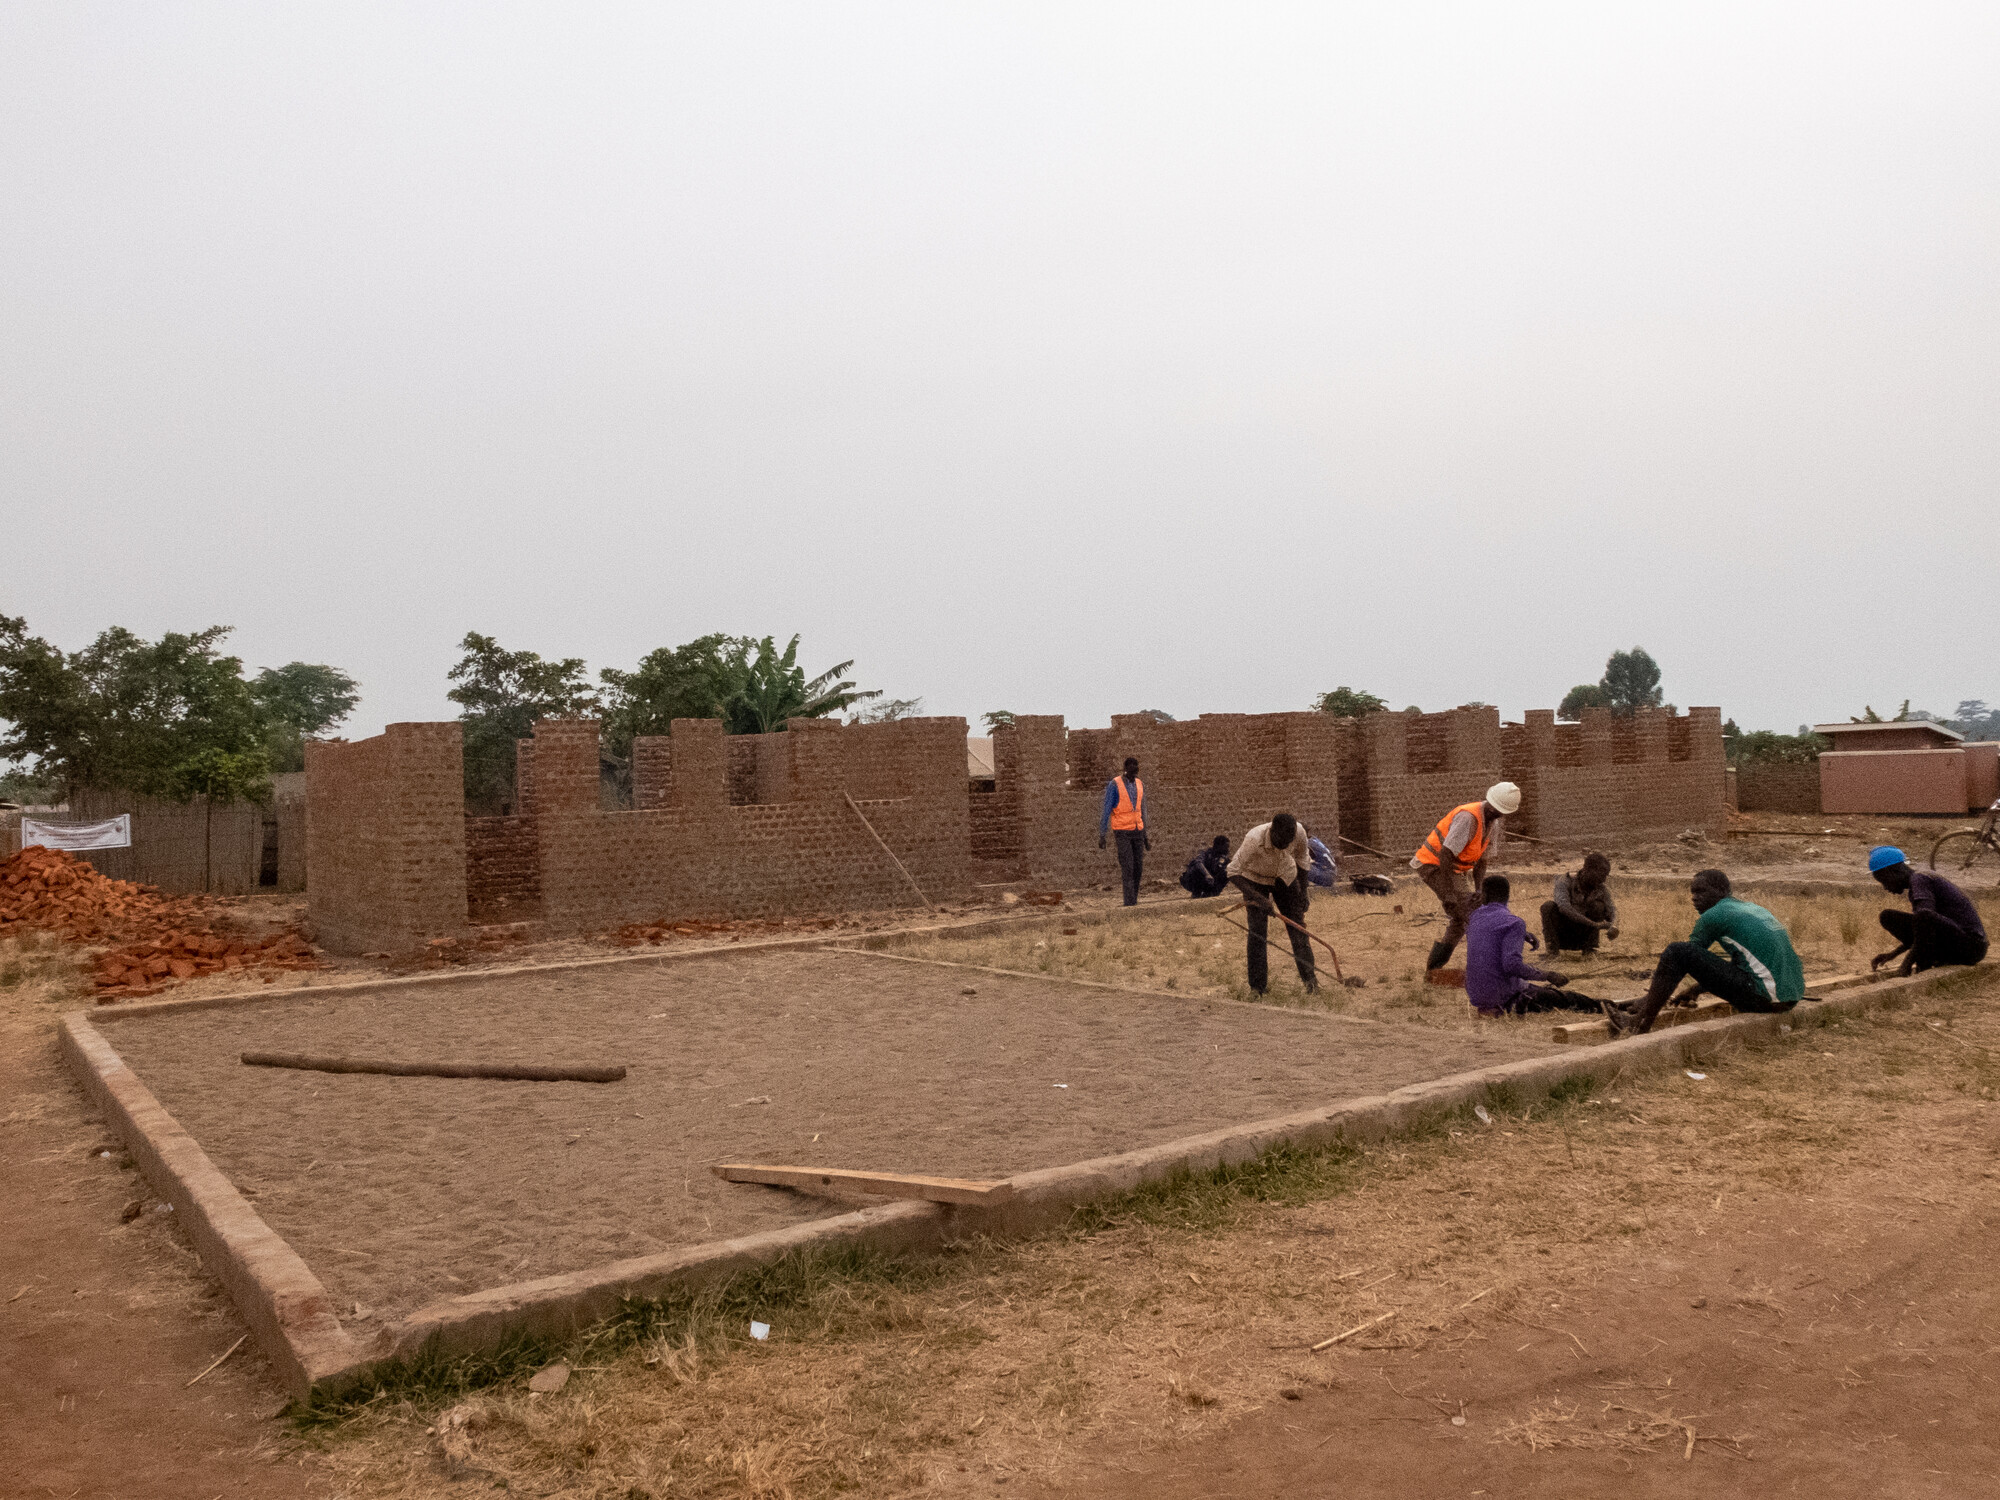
{"points": [[1463, 840], [1124, 814]]}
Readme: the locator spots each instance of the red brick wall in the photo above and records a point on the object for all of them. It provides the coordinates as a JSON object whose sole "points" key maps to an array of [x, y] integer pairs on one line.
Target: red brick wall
{"points": [[1778, 787], [1220, 773], [1410, 768], [698, 852], [503, 869], [1654, 772], [1892, 781], [385, 838]]}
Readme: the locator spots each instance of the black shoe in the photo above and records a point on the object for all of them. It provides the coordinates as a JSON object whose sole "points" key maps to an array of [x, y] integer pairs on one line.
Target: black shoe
{"points": [[1619, 1019], [1312, 986], [1440, 955]]}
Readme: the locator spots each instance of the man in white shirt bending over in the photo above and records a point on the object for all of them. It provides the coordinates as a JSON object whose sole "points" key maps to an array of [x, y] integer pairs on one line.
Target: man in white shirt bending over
{"points": [[1270, 869]]}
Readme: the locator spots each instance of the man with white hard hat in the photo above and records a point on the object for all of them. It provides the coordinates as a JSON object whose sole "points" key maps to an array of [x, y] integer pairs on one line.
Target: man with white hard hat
{"points": [[1463, 840]]}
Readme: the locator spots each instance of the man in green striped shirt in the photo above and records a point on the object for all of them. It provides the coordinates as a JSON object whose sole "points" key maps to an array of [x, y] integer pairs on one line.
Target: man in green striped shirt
{"points": [[1758, 969]]}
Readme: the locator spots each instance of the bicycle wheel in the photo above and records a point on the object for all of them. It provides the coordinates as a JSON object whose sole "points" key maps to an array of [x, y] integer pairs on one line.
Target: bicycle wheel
{"points": [[1958, 852]]}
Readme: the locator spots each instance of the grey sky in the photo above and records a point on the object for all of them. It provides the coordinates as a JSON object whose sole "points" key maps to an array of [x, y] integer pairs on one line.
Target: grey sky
{"points": [[1070, 360]]}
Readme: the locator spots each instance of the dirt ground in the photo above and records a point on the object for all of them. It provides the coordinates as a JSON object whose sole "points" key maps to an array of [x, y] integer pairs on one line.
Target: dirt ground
{"points": [[102, 1322], [1191, 947], [399, 1190], [1828, 1201]]}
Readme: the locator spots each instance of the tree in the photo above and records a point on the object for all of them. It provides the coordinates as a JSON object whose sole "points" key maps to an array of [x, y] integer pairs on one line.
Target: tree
{"points": [[890, 709], [1349, 703], [219, 776], [123, 711], [300, 701], [1976, 721], [1000, 718], [1768, 747], [500, 696], [1577, 699], [693, 681], [1631, 681], [1157, 715], [775, 689]]}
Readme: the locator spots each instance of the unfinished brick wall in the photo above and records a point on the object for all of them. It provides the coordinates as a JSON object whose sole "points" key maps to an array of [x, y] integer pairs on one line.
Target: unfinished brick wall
{"points": [[689, 847], [1220, 773], [385, 838], [503, 863], [1400, 772], [1652, 772], [1778, 787]]}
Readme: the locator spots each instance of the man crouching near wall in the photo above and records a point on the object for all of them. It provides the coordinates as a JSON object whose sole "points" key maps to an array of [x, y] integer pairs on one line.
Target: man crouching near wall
{"points": [[1270, 869]]}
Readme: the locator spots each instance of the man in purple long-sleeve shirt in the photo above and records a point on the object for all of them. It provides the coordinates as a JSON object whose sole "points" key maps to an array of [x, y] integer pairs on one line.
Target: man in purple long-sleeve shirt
{"points": [[1942, 925], [1497, 981]]}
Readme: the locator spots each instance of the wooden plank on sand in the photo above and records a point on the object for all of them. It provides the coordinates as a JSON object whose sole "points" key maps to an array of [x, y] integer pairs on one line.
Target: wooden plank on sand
{"points": [[880, 1184], [1707, 1009]]}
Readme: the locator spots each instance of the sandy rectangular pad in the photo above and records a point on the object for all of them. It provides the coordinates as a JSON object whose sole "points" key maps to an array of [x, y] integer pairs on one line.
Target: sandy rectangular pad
{"points": [[399, 1190]]}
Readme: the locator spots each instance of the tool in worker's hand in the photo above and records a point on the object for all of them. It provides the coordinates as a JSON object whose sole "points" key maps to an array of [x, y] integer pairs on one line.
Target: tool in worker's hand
{"points": [[1272, 909]]}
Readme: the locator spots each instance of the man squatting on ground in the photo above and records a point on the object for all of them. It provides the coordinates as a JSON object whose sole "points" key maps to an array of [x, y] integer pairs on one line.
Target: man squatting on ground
{"points": [[1207, 872], [1497, 982], [1462, 840], [1761, 973], [1125, 815], [1270, 869], [1942, 925], [1582, 909]]}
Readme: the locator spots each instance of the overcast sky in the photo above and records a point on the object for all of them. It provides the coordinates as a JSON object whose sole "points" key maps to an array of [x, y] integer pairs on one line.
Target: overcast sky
{"points": [[1077, 359]]}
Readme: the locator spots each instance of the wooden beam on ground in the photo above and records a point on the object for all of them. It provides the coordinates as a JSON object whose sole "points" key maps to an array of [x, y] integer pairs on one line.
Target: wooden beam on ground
{"points": [[532, 1073], [1708, 1008], [878, 1184]]}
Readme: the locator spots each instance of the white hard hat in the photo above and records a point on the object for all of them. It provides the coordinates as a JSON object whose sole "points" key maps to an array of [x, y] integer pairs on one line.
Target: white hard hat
{"points": [[1505, 796]]}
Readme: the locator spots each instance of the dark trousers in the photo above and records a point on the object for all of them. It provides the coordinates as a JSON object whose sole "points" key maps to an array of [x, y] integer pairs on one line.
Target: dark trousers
{"points": [[1198, 882], [1560, 932], [1711, 972], [1933, 940], [1292, 900], [1535, 998], [1131, 860]]}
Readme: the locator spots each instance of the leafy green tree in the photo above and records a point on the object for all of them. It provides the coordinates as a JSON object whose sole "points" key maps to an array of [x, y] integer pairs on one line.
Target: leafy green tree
{"points": [[998, 719], [775, 688], [1577, 699], [123, 711], [500, 696], [300, 701], [1976, 721], [693, 681], [1349, 703], [1768, 747], [1631, 681], [219, 777]]}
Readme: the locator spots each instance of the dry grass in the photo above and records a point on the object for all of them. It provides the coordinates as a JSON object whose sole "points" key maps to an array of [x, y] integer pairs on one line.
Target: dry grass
{"points": [[1195, 1301], [1188, 948]]}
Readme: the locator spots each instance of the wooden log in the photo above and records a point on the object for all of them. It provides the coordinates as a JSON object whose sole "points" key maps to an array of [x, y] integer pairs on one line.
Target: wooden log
{"points": [[878, 1184], [529, 1072], [1708, 1008]]}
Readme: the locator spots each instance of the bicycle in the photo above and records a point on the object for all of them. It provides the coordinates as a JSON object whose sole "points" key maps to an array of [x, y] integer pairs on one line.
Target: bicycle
{"points": [[1962, 848]]}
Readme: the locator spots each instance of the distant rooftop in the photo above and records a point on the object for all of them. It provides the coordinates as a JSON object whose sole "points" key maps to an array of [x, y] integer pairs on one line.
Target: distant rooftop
{"points": [[1930, 726]]}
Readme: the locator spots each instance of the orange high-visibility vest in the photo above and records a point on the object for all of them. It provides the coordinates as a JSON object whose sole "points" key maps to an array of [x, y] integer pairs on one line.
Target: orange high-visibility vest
{"points": [[1129, 816], [1432, 852]]}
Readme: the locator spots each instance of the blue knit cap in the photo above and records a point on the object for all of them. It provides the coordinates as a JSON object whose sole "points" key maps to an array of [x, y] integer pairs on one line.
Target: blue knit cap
{"points": [[1884, 855]]}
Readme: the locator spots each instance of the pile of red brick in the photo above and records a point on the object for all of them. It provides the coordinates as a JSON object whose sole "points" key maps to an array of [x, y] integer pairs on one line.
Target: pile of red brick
{"points": [[153, 939], [142, 968]]}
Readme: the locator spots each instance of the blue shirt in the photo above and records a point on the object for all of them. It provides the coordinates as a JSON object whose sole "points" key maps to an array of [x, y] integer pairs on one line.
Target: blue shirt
{"points": [[1323, 871], [1494, 972], [1111, 806]]}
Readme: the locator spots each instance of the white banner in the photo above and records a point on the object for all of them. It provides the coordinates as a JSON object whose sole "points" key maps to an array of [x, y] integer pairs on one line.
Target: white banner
{"points": [[112, 833]]}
